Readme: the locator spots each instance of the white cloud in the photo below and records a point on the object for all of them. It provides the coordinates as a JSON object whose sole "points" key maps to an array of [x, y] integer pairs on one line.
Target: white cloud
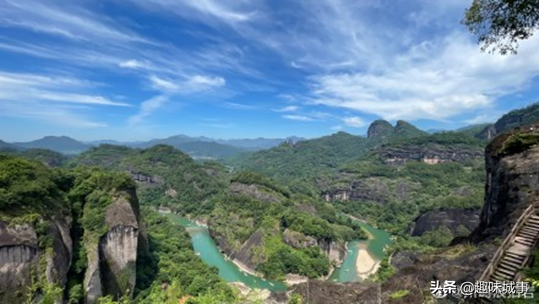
{"points": [[147, 107], [131, 64], [449, 78], [238, 106], [287, 109], [63, 20], [354, 121], [161, 84], [206, 82], [336, 128], [297, 117], [231, 12], [58, 100]]}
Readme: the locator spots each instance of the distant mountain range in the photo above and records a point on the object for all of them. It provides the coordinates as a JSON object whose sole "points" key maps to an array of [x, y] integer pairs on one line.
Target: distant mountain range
{"points": [[196, 147], [204, 147]]}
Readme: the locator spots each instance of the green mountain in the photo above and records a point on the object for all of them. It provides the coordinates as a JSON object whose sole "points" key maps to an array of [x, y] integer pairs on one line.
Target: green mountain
{"points": [[6, 146], [474, 130], [201, 147], [308, 158], [511, 120], [165, 175], [61, 144], [46, 157], [381, 130]]}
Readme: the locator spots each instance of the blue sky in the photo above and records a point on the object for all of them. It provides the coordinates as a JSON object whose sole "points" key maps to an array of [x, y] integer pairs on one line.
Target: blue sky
{"points": [[142, 69]]}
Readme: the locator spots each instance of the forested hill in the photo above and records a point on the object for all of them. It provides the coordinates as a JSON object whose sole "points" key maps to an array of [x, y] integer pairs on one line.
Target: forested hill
{"points": [[166, 176], [322, 156], [306, 158]]}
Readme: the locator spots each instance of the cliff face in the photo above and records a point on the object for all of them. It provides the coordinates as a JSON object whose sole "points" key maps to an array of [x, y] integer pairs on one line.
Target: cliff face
{"points": [[429, 154], [112, 261], [23, 262], [379, 129], [371, 190], [512, 184], [450, 218]]}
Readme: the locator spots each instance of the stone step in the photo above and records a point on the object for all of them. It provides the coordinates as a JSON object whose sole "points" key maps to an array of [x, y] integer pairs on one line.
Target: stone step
{"points": [[530, 224], [496, 278], [503, 276], [509, 262], [531, 233], [514, 257], [531, 228], [524, 241], [514, 260], [509, 272], [509, 269], [526, 235]]}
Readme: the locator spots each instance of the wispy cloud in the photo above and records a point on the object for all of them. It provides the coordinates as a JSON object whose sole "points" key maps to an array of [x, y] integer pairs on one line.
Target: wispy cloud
{"points": [[354, 122], [287, 109], [238, 106], [427, 84], [147, 107], [52, 18], [297, 117], [51, 99]]}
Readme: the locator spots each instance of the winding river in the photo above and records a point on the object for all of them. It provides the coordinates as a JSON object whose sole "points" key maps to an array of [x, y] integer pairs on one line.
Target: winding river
{"points": [[208, 251], [378, 239]]}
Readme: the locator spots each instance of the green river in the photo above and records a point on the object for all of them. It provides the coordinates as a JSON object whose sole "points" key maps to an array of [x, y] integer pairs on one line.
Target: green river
{"points": [[206, 248]]}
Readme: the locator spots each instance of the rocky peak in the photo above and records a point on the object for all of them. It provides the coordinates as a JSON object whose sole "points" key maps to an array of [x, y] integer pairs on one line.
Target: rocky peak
{"points": [[406, 129], [379, 129], [512, 163]]}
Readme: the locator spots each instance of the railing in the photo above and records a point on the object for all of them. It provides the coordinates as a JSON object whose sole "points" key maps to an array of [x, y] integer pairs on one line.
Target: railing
{"points": [[508, 242]]}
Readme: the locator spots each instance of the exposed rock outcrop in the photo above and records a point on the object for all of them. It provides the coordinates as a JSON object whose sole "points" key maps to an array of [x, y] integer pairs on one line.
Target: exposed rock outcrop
{"points": [[449, 264], [252, 191], [369, 189], [298, 240], [431, 154], [24, 262], [112, 261], [379, 129], [335, 251], [450, 218], [512, 184]]}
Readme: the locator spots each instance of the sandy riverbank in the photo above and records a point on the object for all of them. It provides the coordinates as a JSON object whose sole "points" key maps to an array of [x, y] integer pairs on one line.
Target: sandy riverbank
{"points": [[293, 279], [245, 268], [365, 263]]}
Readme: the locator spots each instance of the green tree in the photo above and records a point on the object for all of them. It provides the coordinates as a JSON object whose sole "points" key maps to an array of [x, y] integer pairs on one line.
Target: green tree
{"points": [[500, 24]]}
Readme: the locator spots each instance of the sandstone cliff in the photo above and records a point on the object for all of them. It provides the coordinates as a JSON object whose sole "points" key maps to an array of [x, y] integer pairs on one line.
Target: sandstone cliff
{"points": [[450, 218], [512, 184], [33, 254], [112, 260]]}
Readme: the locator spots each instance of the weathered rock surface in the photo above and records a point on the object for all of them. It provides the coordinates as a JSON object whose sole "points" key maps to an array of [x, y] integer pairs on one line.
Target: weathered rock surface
{"points": [[369, 189], [252, 191], [335, 251], [112, 261], [298, 240], [430, 154], [22, 260], [246, 252], [379, 129], [403, 259], [512, 185], [450, 218], [416, 277]]}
